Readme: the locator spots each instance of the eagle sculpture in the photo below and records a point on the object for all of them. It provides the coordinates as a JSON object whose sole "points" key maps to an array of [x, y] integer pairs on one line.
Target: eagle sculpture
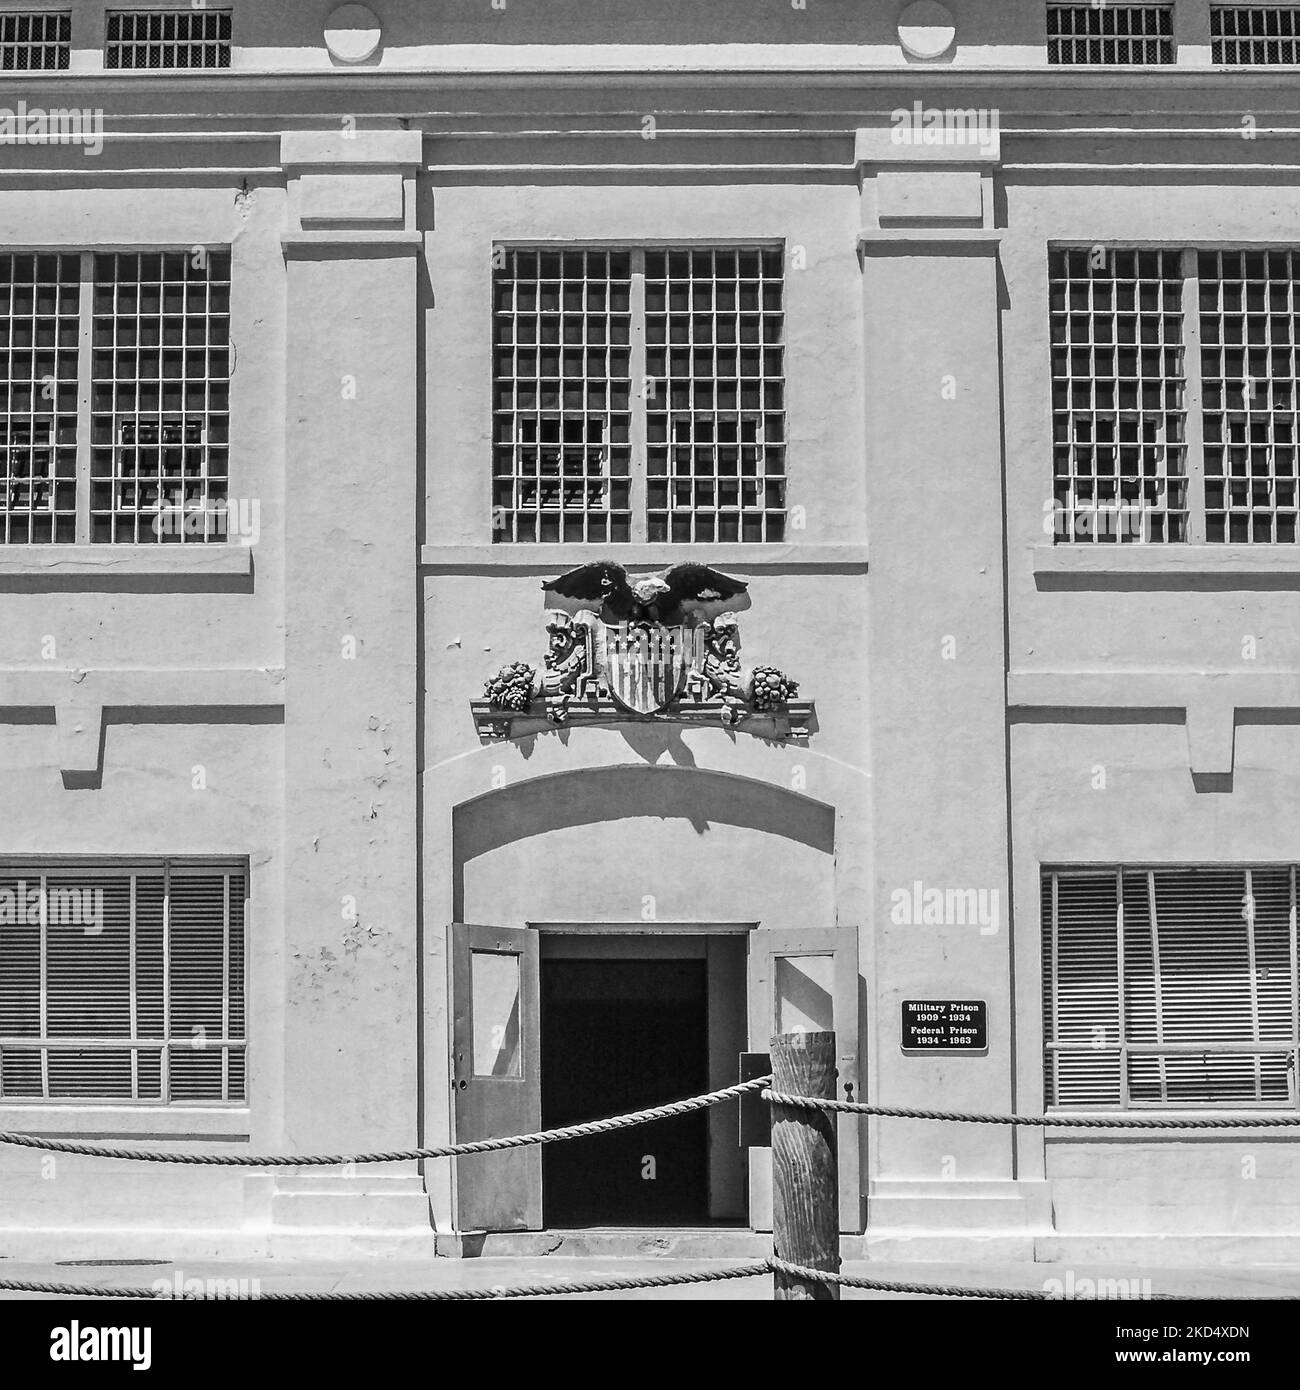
{"points": [[670, 597]]}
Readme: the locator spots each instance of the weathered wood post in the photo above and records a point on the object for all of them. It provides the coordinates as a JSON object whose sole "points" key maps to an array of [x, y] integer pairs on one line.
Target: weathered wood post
{"points": [[805, 1179]]}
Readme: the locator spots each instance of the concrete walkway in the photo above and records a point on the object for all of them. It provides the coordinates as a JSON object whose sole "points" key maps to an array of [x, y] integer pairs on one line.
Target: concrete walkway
{"points": [[389, 1275]]}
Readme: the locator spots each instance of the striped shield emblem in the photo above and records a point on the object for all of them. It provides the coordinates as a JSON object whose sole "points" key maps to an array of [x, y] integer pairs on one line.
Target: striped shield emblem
{"points": [[646, 666]]}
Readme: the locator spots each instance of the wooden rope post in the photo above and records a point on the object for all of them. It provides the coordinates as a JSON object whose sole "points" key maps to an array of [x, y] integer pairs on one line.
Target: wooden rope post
{"points": [[805, 1176]]}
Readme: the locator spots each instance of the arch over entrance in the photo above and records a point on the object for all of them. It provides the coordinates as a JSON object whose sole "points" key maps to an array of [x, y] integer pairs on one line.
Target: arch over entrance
{"points": [[684, 835]]}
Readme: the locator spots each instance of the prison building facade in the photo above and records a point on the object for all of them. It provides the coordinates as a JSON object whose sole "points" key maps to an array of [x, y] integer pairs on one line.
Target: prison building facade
{"points": [[961, 349]]}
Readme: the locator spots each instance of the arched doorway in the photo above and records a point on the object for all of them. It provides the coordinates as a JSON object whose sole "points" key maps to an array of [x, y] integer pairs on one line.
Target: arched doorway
{"points": [[669, 915]]}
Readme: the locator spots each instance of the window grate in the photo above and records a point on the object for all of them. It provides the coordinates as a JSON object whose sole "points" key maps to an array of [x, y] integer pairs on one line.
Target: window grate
{"points": [[1118, 396], [39, 331], [1109, 35], [1170, 987], [1248, 325], [160, 397], [715, 411], [168, 39], [35, 42], [1247, 35], [562, 396], [122, 984]]}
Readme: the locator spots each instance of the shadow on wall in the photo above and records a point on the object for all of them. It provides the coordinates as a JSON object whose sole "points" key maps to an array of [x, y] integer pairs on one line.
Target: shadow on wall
{"points": [[594, 796]]}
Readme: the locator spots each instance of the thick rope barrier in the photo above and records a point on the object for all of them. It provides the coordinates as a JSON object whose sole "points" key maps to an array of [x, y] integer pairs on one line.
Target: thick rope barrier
{"points": [[973, 1117], [477, 1146], [496, 1291], [854, 1281], [772, 1265]]}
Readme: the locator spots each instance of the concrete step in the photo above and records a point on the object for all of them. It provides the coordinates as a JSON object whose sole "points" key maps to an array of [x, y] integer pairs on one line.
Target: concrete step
{"points": [[942, 1205], [360, 1211], [924, 1246], [995, 1214], [1189, 1251], [682, 1243]]}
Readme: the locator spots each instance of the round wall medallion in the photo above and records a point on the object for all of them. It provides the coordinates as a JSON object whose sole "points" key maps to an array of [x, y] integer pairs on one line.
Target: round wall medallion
{"points": [[352, 34], [926, 30]]}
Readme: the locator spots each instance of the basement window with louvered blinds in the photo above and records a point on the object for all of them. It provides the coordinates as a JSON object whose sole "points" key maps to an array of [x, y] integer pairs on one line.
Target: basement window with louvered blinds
{"points": [[1171, 987], [122, 984]]}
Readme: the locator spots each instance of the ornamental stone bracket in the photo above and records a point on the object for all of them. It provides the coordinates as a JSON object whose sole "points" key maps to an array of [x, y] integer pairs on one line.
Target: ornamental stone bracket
{"points": [[662, 648], [794, 721]]}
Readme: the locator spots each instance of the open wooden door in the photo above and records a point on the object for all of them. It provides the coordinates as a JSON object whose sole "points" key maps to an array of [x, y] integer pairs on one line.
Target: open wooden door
{"points": [[806, 980], [496, 1075]]}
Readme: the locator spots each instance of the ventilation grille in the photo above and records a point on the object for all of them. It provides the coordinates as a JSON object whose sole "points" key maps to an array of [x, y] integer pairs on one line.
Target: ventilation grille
{"points": [[168, 39], [35, 42], [1244, 35], [1110, 35]]}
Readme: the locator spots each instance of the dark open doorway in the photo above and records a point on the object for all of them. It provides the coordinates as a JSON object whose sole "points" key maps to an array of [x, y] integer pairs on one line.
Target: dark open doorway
{"points": [[617, 1035]]}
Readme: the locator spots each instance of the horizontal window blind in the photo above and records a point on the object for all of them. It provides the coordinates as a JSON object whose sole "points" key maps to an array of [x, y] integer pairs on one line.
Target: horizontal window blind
{"points": [[1170, 987], [122, 984]]}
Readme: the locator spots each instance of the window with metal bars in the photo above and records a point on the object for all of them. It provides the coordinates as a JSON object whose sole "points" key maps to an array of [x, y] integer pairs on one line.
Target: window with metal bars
{"points": [[1170, 986], [1107, 35], [639, 395], [191, 38], [123, 984], [1175, 395], [114, 397], [1247, 35], [35, 41]]}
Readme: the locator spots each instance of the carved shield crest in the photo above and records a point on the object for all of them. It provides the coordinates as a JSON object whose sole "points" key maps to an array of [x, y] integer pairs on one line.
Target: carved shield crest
{"points": [[646, 665]]}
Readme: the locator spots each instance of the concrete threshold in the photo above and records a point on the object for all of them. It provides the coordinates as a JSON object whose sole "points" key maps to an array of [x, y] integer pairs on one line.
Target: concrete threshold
{"points": [[611, 1242]]}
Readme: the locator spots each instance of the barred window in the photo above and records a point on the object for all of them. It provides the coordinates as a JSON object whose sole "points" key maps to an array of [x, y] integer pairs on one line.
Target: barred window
{"points": [[639, 395], [160, 422], [562, 454], [39, 334], [1170, 987], [1249, 384], [1118, 395], [114, 397], [191, 38], [1174, 396], [1110, 34], [1255, 34], [122, 984], [39, 41], [716, 420]]}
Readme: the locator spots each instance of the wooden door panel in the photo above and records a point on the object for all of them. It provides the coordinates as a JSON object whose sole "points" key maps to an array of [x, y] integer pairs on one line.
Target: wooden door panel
{"points": [[496, 1075]]}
